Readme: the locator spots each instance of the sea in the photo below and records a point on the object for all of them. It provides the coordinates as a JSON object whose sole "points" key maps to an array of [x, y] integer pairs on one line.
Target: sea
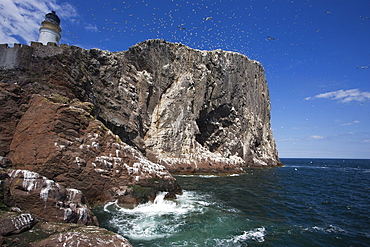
{"points": [[307, 202]]}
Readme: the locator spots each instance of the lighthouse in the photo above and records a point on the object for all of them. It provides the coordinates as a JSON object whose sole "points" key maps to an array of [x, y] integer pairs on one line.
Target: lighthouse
{"points": [[50, 29]]}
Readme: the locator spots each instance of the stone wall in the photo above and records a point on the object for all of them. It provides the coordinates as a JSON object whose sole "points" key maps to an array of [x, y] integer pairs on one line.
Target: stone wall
{"points": [[18, 55]]}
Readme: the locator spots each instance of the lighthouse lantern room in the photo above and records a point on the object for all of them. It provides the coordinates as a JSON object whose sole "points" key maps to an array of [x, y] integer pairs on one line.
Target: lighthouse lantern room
{"points": [[50, 29]]}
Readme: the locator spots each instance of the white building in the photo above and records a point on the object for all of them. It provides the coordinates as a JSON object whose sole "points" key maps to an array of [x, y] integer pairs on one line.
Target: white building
{"points": [[50, 29]]}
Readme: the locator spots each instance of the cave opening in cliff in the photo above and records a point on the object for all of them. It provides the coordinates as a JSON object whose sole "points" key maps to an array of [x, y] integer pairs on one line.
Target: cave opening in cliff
{"points": [[210, 123]]}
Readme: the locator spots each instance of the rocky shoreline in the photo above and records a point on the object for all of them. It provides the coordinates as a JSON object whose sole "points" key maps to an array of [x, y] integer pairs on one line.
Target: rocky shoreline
{"points": [[80, 128]]}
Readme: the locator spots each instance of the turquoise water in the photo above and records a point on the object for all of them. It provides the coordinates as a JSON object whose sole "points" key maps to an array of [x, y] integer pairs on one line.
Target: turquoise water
{"points": [[308, 202]]}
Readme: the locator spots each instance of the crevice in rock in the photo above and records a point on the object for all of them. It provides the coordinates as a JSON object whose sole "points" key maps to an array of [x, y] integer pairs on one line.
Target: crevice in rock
{"points": [[126, 134], [150, 94]]}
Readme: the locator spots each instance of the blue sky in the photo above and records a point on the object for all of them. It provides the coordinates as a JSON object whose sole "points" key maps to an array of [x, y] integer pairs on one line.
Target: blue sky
{"points": [[316, 54]]}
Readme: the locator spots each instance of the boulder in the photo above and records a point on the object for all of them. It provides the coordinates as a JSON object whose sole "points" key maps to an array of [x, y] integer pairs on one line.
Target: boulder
{"points": [[4, 162], [11, 223], [45, 199]]}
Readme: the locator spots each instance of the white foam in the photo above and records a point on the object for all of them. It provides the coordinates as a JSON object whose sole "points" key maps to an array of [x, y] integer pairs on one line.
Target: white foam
{"points": [[168, 218], [234, 175], [154, 220], [329, 229], [106, 206], [182, 205], [257, 234]]}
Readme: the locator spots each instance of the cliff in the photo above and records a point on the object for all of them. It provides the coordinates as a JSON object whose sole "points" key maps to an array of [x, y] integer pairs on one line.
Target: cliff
{"points": [[189, 110], [199, 110], [114, 125]]}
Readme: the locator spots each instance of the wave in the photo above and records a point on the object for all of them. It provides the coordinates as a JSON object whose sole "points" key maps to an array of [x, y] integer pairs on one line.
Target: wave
{"points": [[328, 229], [158, 219], [256, 235], [192, 217], [323, 204]]}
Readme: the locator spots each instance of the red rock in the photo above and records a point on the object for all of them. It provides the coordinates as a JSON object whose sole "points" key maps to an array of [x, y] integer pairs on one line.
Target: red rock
{"points": [[65, 143], [13, 102], [15, 223], [46, 199]]}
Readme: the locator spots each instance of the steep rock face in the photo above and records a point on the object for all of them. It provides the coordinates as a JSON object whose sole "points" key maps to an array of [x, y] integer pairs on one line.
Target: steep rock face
{"points": [[189, 110], [65, 143], [13, 101]]}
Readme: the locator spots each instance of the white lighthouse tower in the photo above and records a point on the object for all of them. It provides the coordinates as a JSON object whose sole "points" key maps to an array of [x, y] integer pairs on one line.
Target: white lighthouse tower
{"points": [[50, 29]]}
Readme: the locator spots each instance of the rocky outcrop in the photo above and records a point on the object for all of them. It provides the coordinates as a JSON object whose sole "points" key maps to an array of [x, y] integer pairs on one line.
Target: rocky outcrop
{"points": [[63, 142], [186, 109], [11, 223], [112, 126], [45, 199], [84, 237], [20, 229], [190, 110], [48, 209]]}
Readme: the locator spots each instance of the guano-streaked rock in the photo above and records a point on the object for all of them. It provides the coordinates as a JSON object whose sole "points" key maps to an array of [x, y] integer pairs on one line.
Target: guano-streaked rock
{"points": [[45, 199], [113, 125], [15, 223], [84, 237], [189, 110], [72, 148]]}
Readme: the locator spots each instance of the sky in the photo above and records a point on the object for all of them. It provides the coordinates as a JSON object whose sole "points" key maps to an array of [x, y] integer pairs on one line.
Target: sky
{"points": [[316, 54]]}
